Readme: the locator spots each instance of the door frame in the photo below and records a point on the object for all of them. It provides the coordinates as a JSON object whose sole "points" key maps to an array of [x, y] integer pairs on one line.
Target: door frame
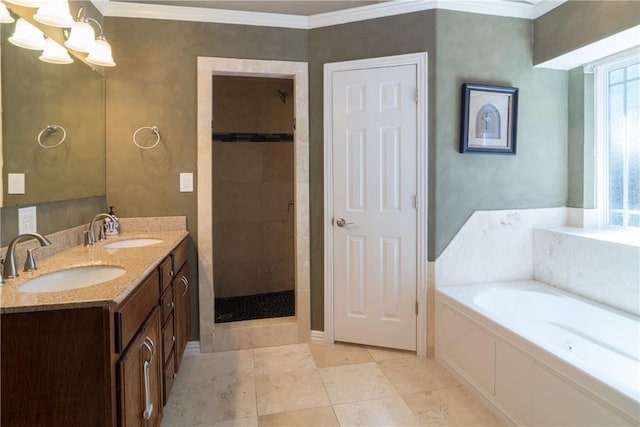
{"points": [[420, 61], [207, 67]]}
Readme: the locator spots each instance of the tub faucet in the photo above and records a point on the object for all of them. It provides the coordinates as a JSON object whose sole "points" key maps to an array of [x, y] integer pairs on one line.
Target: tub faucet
{"points": [[90, 238], [10, 269]]}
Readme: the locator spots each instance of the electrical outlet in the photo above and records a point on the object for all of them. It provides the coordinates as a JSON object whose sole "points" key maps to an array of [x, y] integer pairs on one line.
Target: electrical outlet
{"points": [[27, 222], [186, 182]]}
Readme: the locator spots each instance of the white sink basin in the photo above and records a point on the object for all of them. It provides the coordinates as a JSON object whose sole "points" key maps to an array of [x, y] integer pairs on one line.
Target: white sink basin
{"points": [[132, 243], [73, 278]]}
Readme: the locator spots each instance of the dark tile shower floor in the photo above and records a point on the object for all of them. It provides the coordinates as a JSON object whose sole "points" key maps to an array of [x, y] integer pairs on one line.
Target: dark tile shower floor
{"points": [[261, 306]]}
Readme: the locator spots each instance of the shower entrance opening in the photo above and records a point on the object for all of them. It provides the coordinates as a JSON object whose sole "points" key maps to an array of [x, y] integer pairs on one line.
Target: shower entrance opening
{"points": [[253, 198]]}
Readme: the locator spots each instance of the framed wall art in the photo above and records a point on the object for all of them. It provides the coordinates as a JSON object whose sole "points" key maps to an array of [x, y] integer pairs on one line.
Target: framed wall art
{"points": [[489, 119]]}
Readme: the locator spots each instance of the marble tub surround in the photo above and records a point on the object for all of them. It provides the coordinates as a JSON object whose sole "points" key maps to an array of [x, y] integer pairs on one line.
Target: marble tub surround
{"points": [[494, 246], [319, 385], [138, 263], [601, 265]]}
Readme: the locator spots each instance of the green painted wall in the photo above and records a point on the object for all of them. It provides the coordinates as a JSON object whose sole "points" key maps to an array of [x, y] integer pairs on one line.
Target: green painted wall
{"points": [[154, 83], [388, 36], [581, 159], [51, 216], [495, 50], [575, 24]]}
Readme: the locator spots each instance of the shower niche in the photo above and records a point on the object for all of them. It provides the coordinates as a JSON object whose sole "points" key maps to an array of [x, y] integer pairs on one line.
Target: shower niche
{"points": [[253, 194]]}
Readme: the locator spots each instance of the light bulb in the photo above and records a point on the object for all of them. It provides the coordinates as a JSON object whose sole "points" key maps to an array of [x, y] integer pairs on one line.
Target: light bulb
{"points": [[54, 53], [101, 54], [27, 36], [82, 37]]}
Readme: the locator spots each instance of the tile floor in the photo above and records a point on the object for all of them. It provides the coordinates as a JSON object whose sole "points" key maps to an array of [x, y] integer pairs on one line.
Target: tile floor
{"points": [[319, 385]]}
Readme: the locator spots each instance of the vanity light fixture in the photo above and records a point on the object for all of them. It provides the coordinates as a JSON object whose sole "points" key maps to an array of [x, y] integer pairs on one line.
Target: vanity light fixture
{"points": [[5, 16], [82, 37], [54, 53], [26, 3], [54, 13], [27, 36]]}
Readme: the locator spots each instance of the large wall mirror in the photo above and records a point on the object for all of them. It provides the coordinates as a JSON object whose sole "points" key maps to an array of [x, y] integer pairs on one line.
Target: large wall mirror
{"points": [[36, 95]]}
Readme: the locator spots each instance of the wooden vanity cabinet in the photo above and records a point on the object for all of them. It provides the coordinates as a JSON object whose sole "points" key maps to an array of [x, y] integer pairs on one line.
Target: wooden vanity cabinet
{"points": [[140, 377], [102, 366], [182, 312], [139, 367], [56, 368], [176, 321]]}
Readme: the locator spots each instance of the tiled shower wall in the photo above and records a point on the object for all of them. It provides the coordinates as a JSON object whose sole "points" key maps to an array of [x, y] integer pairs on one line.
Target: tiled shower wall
{"points": [[253, 222]]}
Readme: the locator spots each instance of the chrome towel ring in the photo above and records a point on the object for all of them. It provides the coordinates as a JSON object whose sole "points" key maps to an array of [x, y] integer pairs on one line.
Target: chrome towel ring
{"points": [[153, 129], [46, 132]]}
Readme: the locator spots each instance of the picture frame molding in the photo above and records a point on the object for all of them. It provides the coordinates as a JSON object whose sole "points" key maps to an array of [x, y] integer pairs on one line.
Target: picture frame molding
{"points": [[503, 144]]}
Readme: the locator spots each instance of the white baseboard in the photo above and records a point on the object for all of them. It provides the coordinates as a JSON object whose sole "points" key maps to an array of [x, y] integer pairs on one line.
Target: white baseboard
{"points": [[193, 347], [318, 337]]}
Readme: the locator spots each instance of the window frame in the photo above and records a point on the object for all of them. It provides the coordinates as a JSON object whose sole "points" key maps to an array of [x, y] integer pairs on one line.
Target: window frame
{"points": [[601, 101]]}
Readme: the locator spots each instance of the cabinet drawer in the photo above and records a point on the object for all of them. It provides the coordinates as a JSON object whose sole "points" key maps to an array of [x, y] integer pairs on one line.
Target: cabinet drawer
{"points": [[131, 314], [166, 274], [167, 303], [169, 377], [168, 338], [180, 255]]}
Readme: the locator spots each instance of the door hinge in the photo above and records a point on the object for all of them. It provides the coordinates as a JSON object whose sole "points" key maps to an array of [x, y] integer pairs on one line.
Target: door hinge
{"points": [[294, 123], [416, 308], [417, 97], [415, 202]]}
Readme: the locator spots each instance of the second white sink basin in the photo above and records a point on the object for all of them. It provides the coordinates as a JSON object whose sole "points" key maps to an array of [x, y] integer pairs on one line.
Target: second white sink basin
{"points": [[132, 243], [72, 278]]}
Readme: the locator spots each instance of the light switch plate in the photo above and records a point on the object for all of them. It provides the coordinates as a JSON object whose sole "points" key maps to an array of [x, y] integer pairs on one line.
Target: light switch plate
{"points": [[15, 183], [27, 221], [186, 182]]}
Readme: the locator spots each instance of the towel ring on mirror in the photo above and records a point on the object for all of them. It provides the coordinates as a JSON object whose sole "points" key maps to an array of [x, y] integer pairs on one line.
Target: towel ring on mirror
{"points": [[153, 129], [48, 131]]}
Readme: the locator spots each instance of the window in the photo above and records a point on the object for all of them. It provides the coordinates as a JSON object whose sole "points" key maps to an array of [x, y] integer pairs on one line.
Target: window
{"points": [[618, 124]]}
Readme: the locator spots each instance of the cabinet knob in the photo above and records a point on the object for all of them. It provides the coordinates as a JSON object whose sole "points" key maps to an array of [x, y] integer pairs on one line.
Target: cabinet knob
{"points": [[174, 375], [173, 338], [171, 304]]}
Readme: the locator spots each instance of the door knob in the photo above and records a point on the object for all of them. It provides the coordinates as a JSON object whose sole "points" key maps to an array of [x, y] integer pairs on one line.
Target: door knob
{"points": [[342, 223]]}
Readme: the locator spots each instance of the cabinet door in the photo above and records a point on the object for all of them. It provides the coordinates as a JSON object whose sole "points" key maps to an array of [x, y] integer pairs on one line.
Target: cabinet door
{"points": [[181, 311], [139, 377]]}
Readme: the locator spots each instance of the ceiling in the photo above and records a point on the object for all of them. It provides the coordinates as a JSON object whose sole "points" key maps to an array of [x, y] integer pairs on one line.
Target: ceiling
{"points": [[292, 7]]}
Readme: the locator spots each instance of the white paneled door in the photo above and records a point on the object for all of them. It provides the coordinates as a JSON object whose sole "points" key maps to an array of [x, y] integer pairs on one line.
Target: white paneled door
{"points": [[374, 116]]}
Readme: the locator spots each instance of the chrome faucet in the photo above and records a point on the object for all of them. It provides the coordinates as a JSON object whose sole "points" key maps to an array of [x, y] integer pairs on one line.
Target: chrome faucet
{"points": [[90, 238], [10, 269]]}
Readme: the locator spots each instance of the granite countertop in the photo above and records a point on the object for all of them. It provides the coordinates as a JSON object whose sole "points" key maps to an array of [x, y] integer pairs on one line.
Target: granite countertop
{"points": [[138, 262]]}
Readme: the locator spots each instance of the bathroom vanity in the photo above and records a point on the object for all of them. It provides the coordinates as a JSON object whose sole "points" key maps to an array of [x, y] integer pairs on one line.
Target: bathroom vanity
{"points": [[104, 355]]}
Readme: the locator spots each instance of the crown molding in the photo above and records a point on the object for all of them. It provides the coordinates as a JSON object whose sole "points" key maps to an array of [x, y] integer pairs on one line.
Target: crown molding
{"points": [[614, 44], [378, 10], [199, 14], [545, 6]]}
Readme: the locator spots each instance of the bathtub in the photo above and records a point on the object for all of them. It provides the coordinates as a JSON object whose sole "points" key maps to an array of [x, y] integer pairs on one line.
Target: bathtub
{"points": [[541, 356]]}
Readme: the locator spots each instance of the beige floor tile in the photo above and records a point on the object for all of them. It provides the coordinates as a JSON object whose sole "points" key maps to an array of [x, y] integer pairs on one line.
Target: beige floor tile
{"points": [[314, 417], [239, 422], [453, 406], [290, 391], [326, 355], [286, 358], [389, 411], [380, 354], [202, 402], [350, 383], [209, 366], [411, 375]]}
